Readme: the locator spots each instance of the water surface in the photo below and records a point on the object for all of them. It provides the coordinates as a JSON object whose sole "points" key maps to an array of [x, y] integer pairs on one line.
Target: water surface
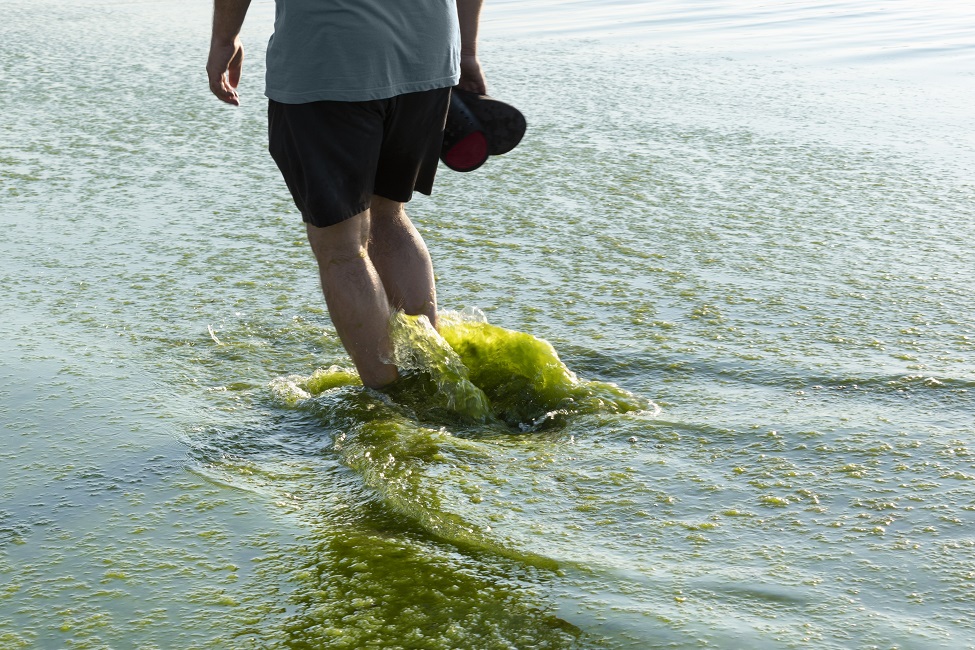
{"points": [[743, 229]]}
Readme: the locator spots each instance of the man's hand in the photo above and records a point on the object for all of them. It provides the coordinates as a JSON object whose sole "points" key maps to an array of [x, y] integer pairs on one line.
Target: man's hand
{"points": [[471, 75], [226, 52], [223, 69]]}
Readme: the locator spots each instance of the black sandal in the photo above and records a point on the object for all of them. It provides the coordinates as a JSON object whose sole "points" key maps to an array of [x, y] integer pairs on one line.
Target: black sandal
{"points": [[465, 146], [479, 126], [503, 124]]}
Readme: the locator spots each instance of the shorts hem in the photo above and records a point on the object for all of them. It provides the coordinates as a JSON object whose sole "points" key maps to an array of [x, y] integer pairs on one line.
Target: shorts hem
{"points": [[359, 95], [326, 222]]}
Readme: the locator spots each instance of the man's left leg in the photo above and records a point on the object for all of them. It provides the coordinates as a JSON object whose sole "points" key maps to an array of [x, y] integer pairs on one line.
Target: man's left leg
{"points": [[357, 302], [370, 265]]}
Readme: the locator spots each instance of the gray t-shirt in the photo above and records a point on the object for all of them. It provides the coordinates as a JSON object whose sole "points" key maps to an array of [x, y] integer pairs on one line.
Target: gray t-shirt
{"points": [[357, 50]]}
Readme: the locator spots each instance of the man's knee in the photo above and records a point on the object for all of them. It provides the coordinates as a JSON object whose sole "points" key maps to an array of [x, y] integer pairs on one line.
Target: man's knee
{"points": [[341, 242]]}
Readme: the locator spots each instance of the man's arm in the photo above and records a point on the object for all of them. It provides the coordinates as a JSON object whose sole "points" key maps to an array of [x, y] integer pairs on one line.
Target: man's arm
{"points": [[226, 50], [471, 75]]}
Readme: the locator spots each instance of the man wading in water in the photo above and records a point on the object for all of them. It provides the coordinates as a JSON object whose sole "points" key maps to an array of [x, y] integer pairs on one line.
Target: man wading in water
{"points": [[358, 93]]}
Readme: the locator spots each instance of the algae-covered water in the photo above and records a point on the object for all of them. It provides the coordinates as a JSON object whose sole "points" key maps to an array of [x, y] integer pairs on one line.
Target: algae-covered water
{"points": [[706, 375]]}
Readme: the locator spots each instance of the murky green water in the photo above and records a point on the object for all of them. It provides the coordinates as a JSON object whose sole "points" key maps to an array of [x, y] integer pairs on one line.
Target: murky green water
{"points": [[752, 426]]}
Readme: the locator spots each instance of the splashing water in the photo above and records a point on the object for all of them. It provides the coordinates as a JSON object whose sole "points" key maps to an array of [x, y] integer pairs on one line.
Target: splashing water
{"points": [[433, 378], [472, 372]]}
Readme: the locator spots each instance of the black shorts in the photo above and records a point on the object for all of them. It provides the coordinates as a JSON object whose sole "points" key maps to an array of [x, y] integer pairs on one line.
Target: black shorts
{"points": [[335, 155]]}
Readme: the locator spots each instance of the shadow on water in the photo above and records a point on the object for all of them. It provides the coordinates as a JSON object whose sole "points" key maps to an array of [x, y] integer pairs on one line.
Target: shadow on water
{"points": [[379, 583]]}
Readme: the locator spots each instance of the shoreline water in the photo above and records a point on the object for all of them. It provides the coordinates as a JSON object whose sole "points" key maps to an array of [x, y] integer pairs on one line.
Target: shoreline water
{"points": [[764, 236], [823, 32]]}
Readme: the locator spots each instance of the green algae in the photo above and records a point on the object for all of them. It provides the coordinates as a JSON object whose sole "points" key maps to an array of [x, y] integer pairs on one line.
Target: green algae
{"points": [[333, 377], [473, 372], [407, 466], [738, 292], [423, 444], [360, 588], [527, 383]]}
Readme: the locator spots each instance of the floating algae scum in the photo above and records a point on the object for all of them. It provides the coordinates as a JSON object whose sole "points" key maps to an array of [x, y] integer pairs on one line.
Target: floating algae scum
{"points": [[473, 385], [434, 464], [756, 215]]}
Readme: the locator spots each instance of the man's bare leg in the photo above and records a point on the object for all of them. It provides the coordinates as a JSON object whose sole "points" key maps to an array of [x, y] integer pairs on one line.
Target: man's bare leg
{"points": [[356, 299], [401, 258]]}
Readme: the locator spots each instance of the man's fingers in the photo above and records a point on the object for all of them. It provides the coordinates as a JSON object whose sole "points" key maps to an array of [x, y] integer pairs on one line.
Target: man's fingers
{"points": [[221, 87], [473, 86], [235, 66], [229, 95]]}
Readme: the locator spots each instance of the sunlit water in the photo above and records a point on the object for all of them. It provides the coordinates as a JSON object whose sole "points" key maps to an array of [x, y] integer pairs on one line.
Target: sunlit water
{"points": [[744, 230]]}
